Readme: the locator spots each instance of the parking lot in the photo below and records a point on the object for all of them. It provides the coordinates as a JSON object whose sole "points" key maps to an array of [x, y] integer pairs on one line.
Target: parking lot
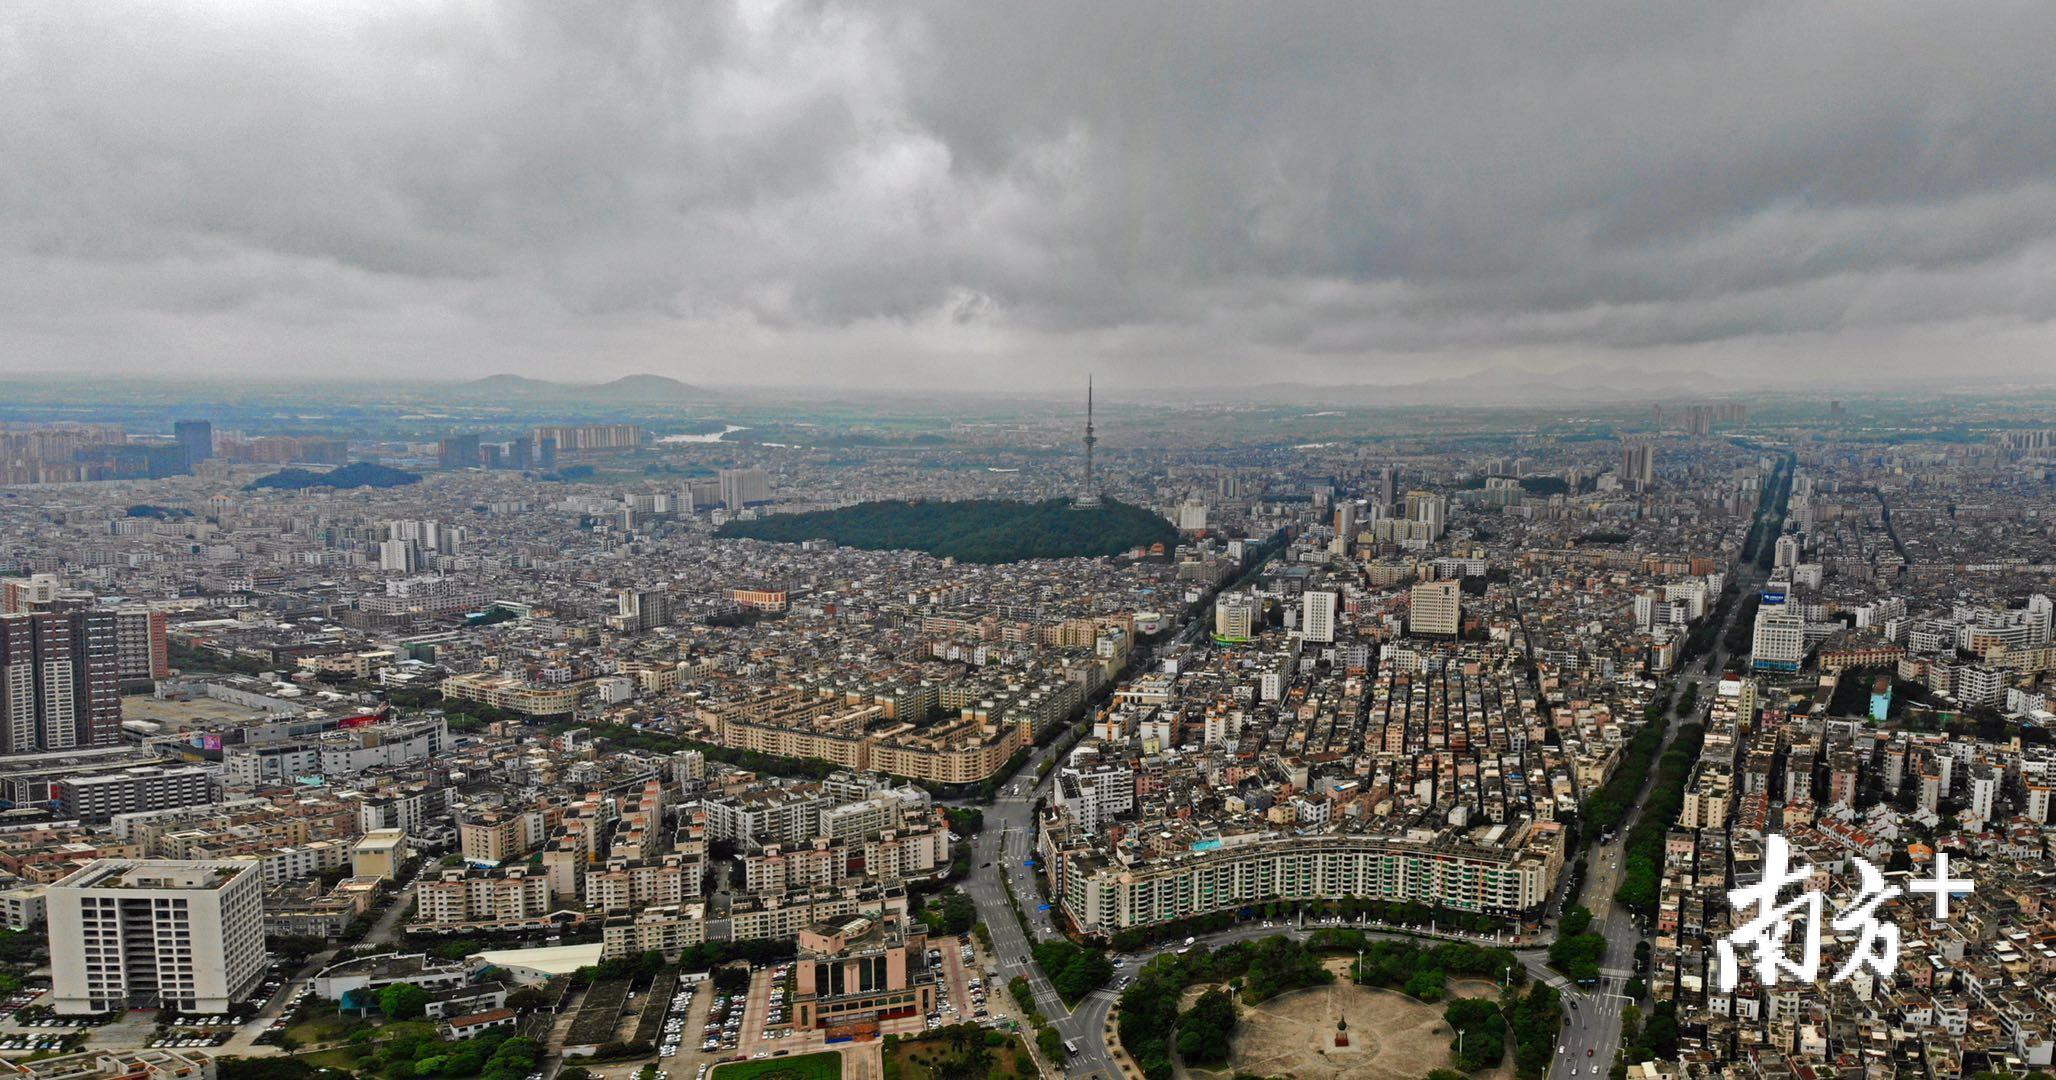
{"points": [[702, 1027], [960, 988], [36, 1033]]}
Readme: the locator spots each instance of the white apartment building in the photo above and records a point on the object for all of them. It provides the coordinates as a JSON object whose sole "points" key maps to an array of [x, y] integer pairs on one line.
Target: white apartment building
{"points": [[765, 817], [1095, 796], [863, 818], [667, 930], [98, 797], [472, 897], [1786, 551], [1237, 616], [740, 487], [128, 933], [1108, 897], [801, 869], [1984, 792], [1317, 616], [1978, 685], [897, 856], [408, 811], [297, 862], [626, 886], [24, 907]]}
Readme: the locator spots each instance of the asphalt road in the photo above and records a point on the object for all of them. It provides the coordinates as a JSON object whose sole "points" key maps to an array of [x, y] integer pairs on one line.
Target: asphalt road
{"points": [[1002, 847], [1593, 1036]]}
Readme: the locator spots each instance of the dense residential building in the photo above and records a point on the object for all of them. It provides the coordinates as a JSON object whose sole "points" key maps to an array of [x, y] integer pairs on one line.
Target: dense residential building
{"points": [[196, 438], [741, 487], [514, 695], [142, 649], [583, 439], [1495, 871], [665, 929], [98, 797], [482, 898], [59, 680], [1435, 608]]}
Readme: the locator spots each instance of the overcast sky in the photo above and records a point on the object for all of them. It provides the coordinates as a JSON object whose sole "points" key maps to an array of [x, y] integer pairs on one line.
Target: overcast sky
{"points": [[1009, 194]]}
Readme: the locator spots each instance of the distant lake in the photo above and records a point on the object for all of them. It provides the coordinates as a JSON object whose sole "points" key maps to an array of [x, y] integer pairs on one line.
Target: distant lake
{"points": [[711, 436]]}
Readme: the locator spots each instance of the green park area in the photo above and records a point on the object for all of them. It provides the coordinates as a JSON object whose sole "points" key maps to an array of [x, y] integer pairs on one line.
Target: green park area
{"points": [[826, 1065], [959, 1050]]}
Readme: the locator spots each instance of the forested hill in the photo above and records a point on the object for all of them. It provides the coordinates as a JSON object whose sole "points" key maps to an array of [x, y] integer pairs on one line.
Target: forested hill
{"points": [[980, 531], [361, 474]]}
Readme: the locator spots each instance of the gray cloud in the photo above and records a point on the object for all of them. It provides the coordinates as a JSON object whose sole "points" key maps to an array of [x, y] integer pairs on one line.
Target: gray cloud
{"points": [[1007, 194]]}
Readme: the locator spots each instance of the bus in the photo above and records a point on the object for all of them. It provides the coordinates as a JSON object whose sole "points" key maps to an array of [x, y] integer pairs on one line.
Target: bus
{"points": [[1071, 1046]]}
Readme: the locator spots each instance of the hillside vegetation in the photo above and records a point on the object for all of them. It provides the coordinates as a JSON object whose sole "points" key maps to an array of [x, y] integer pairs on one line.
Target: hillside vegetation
{"points": [[361, 474], [980, 531]]}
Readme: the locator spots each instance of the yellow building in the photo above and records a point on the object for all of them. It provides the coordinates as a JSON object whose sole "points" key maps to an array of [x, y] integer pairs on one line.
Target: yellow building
{"points": [[379, 853], [514, 695]]}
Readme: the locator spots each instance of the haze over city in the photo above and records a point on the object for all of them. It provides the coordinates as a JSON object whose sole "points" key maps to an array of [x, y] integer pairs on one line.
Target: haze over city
{"points": [[1007, 197]]}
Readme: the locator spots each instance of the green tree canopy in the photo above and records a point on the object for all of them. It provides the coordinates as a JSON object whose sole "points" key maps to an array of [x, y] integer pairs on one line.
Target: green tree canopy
{"points": [[402, 1001]]}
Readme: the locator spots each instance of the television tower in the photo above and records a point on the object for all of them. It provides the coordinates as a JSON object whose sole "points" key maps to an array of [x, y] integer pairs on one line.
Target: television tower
{"points": [[1088, 498]]}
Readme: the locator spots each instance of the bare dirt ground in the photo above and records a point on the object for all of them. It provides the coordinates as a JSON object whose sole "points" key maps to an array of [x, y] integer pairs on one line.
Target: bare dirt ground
{"points": [[1391, 1036]]}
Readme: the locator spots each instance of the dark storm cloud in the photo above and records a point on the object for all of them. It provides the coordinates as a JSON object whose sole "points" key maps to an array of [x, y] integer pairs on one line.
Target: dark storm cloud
{"points": [[1006, 194]]}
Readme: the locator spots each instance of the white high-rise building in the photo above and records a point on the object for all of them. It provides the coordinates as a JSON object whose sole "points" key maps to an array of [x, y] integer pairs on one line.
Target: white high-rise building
{"points": [[740, 487], [1429, 509], [1646, 608], [1984, 791], [1236, 616], [398, 556], [1780, 641], [151, 933], [1192, 516], [1317, 616], [1436, 607], [1787, 552], [1638, 464]]}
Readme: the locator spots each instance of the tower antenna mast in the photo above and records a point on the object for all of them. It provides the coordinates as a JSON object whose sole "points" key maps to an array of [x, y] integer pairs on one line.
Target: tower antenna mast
{"points": [[1089, 497]]}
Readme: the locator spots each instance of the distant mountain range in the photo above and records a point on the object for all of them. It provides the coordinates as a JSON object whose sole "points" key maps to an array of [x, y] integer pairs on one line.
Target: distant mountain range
{"points": [[628, 389]]}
